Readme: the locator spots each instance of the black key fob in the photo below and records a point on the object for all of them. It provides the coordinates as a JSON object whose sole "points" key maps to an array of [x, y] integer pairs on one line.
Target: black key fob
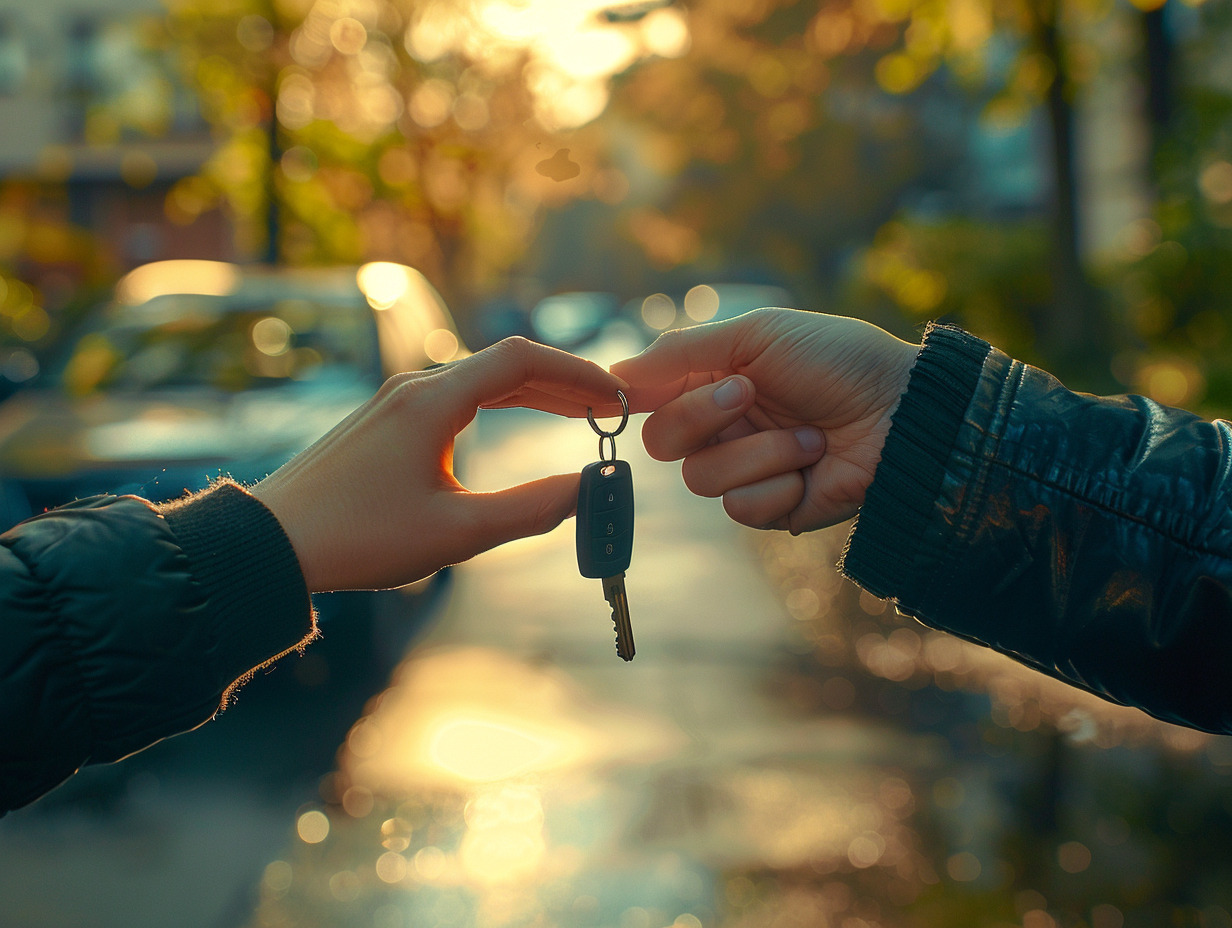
{"points": [[605, 519]]}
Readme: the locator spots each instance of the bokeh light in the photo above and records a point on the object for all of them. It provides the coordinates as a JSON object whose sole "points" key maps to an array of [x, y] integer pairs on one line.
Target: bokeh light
{"points": [[659, 311], [313, 827], [382, 283], [701, 303], [441, 345]]}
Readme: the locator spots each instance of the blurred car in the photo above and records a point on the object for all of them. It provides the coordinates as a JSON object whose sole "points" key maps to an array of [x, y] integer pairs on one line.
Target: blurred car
{"points": [[200, 368], [196, 369], [568, 320], [659, 312]]}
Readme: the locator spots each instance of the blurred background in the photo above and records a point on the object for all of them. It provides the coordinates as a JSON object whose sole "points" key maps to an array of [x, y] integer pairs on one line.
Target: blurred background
{"points": [[223, 222]]}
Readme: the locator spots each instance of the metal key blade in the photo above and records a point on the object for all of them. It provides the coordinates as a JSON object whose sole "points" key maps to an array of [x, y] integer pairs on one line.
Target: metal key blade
{"points": [[614, 593]]}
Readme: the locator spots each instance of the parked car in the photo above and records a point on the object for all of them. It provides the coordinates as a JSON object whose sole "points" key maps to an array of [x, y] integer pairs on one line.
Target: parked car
{"points": [[568, 320], [197, 368]]}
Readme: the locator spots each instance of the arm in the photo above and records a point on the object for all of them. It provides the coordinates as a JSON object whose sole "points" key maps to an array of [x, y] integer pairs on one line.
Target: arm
{"points": [[1088, 537], [108, 608], [122, 623]]}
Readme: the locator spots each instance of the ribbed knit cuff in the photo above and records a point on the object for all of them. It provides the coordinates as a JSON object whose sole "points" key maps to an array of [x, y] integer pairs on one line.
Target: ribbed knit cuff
{"points": [[239, 554], [891, 551]]}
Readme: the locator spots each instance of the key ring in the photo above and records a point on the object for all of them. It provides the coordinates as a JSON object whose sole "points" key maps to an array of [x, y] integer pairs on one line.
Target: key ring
{"points": [[609, 436]]}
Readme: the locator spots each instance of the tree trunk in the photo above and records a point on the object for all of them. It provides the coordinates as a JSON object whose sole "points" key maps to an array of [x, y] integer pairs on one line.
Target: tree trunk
{"points": [[1068, 329], [1160, 76]]}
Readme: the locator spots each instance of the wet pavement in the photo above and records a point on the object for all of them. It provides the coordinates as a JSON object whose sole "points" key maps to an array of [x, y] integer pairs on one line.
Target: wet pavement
{"points": [[516, 772], [785, 751]]}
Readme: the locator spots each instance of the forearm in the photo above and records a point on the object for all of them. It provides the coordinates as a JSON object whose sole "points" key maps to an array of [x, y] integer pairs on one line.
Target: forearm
{"points": [[122, 626], [1090, 537]]}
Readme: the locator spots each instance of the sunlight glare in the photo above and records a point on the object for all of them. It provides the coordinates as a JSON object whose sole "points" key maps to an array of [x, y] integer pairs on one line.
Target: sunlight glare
{"points": [[206, 278], [564, 103], [591, 53], [504, 840], [486, 750], [666, 33], [382, 282], [433, 36], [568, 39]]}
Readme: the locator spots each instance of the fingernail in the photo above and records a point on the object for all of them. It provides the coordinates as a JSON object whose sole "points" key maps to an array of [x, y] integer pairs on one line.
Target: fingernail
{"points": [[730, 395], [809, 439]]}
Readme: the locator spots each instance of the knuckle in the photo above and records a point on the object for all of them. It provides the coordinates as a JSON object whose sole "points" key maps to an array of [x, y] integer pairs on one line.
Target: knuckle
{"points": [[403, 392], [517, 346], [668, 339], [394, 383]]}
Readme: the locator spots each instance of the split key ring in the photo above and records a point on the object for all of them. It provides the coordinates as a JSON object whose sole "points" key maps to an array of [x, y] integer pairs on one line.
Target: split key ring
{"points": [[605, 435]]}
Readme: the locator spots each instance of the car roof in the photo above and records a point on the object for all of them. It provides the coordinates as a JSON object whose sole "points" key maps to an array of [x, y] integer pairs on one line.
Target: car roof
{"points": [[190, 276]]}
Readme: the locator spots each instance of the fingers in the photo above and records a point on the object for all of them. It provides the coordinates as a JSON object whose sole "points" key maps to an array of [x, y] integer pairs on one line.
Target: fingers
{"points": [[720, 468], [518, 512], [768, 503], [696, 418], [716, 346], [548, 401], [517, 371]]}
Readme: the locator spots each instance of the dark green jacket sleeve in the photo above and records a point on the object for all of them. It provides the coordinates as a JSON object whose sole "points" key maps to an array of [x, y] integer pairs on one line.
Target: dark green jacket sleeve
{"points": [[122, 624], [1089, 537]]}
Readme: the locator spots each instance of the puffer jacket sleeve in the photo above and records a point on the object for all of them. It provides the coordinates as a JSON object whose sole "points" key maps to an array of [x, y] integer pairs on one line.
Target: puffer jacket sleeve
{"points": [[122, 624], [1089, 537]]}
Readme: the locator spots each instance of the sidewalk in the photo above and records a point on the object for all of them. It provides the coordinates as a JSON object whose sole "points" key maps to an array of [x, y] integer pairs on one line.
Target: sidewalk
{"points": [[518, 773]]}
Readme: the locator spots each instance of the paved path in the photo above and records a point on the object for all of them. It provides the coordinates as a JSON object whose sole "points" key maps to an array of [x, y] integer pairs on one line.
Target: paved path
{"points": [[517, 772]]}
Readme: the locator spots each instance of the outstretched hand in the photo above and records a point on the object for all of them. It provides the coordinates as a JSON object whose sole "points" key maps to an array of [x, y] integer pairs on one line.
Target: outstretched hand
{"points": [[783, 413], [375, 504]]}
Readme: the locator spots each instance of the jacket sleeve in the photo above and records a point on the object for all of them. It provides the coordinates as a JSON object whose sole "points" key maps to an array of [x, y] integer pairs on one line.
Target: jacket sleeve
{"points": [[1089, 537], [122, 624]]}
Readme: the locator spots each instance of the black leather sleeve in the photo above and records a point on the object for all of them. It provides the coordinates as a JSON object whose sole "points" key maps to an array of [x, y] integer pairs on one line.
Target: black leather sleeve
{"points": [[119, 627], [1089, 537]]}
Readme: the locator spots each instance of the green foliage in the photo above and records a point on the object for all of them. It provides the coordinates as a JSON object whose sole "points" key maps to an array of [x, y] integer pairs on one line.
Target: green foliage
{"points": [[37, 243], [338, 144], [991, 279], [1172, 288]]}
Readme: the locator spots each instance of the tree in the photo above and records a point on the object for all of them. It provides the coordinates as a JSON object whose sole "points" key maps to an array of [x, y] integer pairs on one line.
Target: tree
{"points": [[429, 133]]}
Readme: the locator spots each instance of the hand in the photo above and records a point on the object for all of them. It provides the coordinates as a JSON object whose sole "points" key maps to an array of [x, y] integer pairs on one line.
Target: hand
{"points": [[374, 504], [783, 413]]}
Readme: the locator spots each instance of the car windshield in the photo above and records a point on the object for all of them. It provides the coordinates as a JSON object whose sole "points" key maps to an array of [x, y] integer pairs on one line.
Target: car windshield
{"points": [[221, 343]]}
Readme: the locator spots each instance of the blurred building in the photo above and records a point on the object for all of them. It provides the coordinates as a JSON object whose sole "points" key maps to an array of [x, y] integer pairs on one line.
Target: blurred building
{"points": [[92, 98]]}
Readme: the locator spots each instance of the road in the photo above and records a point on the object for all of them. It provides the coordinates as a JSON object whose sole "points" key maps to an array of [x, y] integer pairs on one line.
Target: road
{"points": [[516, 772]]}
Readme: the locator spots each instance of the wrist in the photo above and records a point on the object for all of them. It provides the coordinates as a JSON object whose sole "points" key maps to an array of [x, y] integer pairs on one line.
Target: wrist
{"points": [[239, 555], [284, 510], [914, 458], [896, 380]]}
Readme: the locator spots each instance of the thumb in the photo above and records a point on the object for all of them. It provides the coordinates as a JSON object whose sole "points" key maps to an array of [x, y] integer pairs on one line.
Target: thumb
{"points": [[527, 509]]}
